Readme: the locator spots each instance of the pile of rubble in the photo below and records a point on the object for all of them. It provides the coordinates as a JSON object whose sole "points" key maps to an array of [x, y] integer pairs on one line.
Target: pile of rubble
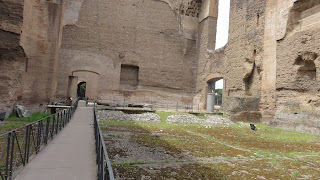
{"points": [[119, 115], [152, 117], [192, 119]]}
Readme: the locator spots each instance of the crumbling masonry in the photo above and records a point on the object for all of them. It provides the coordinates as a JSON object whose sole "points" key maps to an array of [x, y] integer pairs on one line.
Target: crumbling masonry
{"points": [[164, 51]]}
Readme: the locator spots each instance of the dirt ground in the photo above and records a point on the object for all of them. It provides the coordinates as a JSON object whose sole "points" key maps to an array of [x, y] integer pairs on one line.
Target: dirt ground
{"points": [[181, 151]]}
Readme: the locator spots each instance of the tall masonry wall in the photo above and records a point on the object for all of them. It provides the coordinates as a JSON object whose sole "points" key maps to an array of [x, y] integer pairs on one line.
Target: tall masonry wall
{"points": [[297, 82], [12, 56], [103, 36], [270, 63], [30, 34], [162, 51], [242, 60]]}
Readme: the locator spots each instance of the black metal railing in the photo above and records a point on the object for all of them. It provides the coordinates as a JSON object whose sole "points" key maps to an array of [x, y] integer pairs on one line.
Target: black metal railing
{"points": [[104, 171], [18, 146]]}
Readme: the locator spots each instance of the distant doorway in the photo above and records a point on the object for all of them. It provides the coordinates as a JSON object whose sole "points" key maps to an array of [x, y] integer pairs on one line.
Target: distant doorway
{"points": [[81, 90], [214, 93]]}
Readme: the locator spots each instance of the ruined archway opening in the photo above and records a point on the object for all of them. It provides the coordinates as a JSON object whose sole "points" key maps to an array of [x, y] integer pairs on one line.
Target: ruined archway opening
{"points": [[81, 90], [218, 92], [214, 95]]}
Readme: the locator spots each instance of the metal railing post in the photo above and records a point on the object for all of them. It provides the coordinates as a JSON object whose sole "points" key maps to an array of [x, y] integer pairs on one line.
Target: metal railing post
{"points": [[38, 138], [47, 130], [57, 125], [11, 157], [53, 125], [26, 145], [7, 158]]}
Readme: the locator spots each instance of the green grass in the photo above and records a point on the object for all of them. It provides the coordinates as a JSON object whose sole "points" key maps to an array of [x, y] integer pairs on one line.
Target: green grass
{"points": [[285, 135], [201, 116], [34, 117], [10, 126], [268, 152]]}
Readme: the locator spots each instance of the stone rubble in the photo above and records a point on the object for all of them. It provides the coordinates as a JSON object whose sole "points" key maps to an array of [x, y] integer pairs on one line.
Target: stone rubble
{"points": [[191, 119], [21, 111], [119, 115], [152, 117]]}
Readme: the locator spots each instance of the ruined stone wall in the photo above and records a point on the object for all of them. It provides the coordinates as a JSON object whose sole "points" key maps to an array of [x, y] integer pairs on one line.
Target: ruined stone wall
{"points": [[244, 49], [12, 56], [275, 28], [208, 62], [102, 35], [41, 41], [244, 55], [30, 39], [297, 84]]}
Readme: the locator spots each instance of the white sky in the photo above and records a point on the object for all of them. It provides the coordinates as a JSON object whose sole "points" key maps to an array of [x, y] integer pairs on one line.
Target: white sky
{"points": [[223, 23], [222, 30]]}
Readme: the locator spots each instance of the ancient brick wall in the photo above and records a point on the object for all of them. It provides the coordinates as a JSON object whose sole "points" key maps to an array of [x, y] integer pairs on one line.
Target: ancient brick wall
{"points": [[30, 42], [41, 38], [244, 52], [151, 35], [12, 56], [297, 83], [208, 62]]}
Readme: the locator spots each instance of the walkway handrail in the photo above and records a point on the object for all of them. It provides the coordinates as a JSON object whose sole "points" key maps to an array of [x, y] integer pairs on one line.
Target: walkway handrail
{"points": [[103, 161], [17, 146]]}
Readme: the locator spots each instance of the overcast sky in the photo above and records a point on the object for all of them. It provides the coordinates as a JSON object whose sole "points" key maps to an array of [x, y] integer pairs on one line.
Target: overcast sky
{"points": [[222, 30], [223, 23]]}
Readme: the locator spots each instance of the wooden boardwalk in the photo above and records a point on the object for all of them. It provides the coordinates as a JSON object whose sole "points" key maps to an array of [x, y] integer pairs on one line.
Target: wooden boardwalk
{"points": [[70, 156]]}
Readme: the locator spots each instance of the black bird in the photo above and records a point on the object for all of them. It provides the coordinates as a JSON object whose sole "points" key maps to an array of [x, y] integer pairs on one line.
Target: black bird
{"points": [[253, 127]]}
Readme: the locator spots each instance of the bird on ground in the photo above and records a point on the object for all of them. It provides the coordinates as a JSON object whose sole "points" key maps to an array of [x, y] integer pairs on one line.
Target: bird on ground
{"points": [[253, 127]]}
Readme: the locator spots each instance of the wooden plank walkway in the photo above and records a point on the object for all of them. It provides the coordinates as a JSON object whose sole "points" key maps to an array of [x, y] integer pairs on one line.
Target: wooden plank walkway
{"points": [[70, 156]]}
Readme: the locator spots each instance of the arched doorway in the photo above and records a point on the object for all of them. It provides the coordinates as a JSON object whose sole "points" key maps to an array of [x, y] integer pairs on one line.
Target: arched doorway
{"points": [[91, 80], [215, 85], [81, 90]]}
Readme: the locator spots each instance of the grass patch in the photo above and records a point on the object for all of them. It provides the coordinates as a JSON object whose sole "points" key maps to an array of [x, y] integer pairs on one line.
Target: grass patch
{"points": [[285, 135], [268, 142], [10, 126], [225, 152], [201, 117], [34, 117]]}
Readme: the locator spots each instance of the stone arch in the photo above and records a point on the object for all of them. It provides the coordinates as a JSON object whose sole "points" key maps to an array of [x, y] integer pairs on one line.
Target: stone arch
{"points": [[210, 91], [81, 89], [92, 82], [84, 69], [214, 77]]}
